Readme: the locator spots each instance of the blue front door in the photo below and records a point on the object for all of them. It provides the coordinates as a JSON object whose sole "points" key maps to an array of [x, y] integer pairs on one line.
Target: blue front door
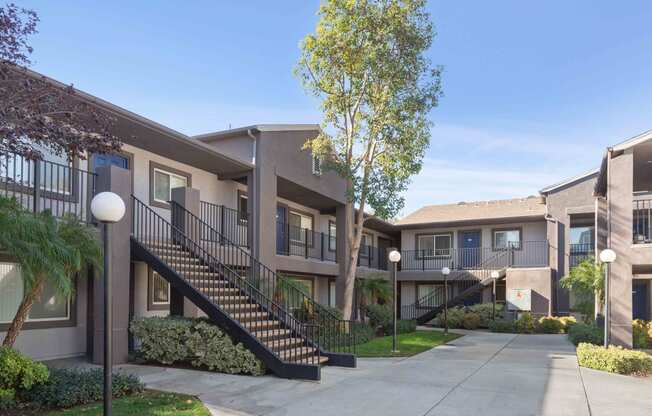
{"points": [[639, 299], [471, 255]]}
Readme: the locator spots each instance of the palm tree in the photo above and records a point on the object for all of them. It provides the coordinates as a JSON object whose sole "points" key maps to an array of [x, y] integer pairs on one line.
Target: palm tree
{"points": [[374, 290], [47, 250]]}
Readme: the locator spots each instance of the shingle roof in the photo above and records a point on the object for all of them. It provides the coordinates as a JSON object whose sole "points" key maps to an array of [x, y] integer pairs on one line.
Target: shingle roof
{"points": [[476, 211]]}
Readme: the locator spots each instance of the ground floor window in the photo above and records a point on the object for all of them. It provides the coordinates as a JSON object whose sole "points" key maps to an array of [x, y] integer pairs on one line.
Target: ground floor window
{"points": [[158, 292], [50, 307], [332, 291]]}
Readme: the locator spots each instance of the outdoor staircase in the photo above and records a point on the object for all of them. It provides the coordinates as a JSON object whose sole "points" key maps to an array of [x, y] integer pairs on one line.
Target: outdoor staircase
{"points": [[239, 301]]}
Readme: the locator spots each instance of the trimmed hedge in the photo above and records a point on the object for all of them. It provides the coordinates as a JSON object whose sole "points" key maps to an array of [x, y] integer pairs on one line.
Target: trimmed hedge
{"points": [[502, 326], [471, 320], [196, 342], [380, 316], [614, 359], [550, 325], [403, 326], [583, 333], [642, 333], [72, 387], [18, 373], [485, 311]]}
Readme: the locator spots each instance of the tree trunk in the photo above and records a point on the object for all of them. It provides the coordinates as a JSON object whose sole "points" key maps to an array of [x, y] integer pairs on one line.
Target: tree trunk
{"points": [[353, 237], [22, 313]]}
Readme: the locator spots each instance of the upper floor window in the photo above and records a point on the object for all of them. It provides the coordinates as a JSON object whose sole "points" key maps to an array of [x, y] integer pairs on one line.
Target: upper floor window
{"points": [[365, 244], [243, 201], [504, 239], [434, 245], [299, 223], [332, 236], [163, 181], [316, 165]]}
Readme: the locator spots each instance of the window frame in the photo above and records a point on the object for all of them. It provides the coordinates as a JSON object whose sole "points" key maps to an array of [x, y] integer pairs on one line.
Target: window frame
{"points": [[305, 214], [434, 236], [47, 323], [506, 229], [330, 236], [153, 167], [151, 304], [368, 254], [240, 195]]}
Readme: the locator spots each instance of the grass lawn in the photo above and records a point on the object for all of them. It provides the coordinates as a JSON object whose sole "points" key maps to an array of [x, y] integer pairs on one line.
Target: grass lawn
{"points": [[408, 344], [153, 403]]}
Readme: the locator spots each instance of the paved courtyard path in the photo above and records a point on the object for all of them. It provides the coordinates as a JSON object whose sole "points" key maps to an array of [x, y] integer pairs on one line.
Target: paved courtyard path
{"points": [[478, 374]]}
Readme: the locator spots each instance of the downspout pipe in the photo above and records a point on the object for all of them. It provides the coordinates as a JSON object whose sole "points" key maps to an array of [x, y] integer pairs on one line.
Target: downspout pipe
{"points": [[255, 146]]}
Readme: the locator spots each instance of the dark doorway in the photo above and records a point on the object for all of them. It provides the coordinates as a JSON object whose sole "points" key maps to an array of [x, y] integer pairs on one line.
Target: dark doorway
{"points": [[471, 255], [383, 245], [640, 299]]}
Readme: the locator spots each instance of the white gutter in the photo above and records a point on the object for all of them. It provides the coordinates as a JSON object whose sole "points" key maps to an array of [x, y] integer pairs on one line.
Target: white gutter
{"points": [[253, 157]]}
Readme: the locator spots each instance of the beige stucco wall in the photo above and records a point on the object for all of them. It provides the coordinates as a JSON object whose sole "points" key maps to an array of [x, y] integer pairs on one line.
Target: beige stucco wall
{"points": [[536, 279]]}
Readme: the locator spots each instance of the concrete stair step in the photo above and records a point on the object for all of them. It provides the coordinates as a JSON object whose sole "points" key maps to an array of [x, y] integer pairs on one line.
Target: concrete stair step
{"points": [[226, 300], [257, 326], [294, 354], [310, 360], [271, 334], [240, 306], [249, 316], [284, 343]]}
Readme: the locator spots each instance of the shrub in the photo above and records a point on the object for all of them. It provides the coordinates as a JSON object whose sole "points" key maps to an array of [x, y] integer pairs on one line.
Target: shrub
{"points": [[485, 311], [193, 341], [18, 373], [640, 335], [551, 325], [379, 315], [567, 322], [72, 387], [455, 317], [583, 333], [471, 320], [525, 323], [614, 359], [363, 333], [403, 326], [502, 325]]}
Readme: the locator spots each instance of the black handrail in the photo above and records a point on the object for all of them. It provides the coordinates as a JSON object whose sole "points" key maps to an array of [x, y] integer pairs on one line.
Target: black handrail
{"points": [[304, 242], [160, 236], [334, 334], [227, 221]]}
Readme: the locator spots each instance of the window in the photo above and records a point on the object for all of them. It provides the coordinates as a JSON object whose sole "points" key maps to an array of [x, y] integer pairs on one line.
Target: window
{"points": [[242, 207], [332, 236], [332, 291], [299, 223], [316, 165], [50, 307], [434, 245], [504, 239], [304, 285], [162, 181], [366, 243], [159, 292]]}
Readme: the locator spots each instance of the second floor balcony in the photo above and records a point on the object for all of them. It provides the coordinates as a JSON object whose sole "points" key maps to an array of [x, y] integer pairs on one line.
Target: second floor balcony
{"points": [[641, 224], [304, 242]]}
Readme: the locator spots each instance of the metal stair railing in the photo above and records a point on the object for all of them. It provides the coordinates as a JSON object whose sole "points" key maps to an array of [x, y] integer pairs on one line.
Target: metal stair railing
{"points": [[334, 334], [160, 236]]}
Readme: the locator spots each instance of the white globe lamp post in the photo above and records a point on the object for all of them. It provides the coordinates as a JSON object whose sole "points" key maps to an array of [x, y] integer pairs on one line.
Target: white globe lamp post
{"points": [[607, 256], [394, 257]]}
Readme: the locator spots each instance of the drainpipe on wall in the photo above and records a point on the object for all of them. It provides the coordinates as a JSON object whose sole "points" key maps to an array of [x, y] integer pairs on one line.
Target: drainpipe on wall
{"points": [[255, 143]]}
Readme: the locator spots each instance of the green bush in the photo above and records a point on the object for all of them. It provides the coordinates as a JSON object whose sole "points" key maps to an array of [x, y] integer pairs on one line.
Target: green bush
{"points": [[550, 325], [583, 333], [502, 325], [614, 359], [525, 323], [567, 322], [455, 317], [72, 387], [403, 326], [379, 315], [193, 341], [363, 333], [18, 373], [7, 398], [640, 334], [471, 320], [485, 311]]}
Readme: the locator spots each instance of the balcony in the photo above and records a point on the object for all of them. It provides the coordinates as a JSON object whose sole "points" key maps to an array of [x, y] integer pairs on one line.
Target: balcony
{"points": [[579, 253], [641, 224], [372, 257], [525, 254], [229, 224], [304, 242]]}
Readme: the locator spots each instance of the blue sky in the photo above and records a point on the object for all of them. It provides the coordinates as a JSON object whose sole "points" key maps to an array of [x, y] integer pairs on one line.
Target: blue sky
{"points": [[534, 91]]}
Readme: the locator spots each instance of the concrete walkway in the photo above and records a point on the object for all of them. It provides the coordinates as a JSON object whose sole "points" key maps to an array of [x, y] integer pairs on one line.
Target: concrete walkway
{"points": [[480, 373]]}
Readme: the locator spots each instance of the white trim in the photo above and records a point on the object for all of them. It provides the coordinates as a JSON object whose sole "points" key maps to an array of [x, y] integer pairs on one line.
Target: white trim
{"points": [[643, 137], [569, 181], [165, 172]]}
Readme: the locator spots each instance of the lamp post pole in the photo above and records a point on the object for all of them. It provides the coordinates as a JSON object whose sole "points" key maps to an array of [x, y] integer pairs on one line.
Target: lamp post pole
{"points": [[394, 257], [445, 271], [607, 257], [108, 208], [494, 277]]}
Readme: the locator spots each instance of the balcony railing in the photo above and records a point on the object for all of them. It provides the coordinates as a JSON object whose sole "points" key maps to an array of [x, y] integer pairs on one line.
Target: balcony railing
{"points": [[304, 242], [641, 221], [42, 185], [579, 253], [229, 223], [525, 254], [372, 257]]}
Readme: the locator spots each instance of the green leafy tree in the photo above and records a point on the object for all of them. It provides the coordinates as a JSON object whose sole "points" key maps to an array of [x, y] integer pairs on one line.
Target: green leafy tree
{"points": [[374, 290], [586, 282], [47, 250], [366, 64]]}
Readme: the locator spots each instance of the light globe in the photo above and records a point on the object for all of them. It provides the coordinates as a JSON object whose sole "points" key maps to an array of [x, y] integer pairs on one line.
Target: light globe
{"points": [[108, 207], [394, 256], [607, 256], [446, 271]]}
